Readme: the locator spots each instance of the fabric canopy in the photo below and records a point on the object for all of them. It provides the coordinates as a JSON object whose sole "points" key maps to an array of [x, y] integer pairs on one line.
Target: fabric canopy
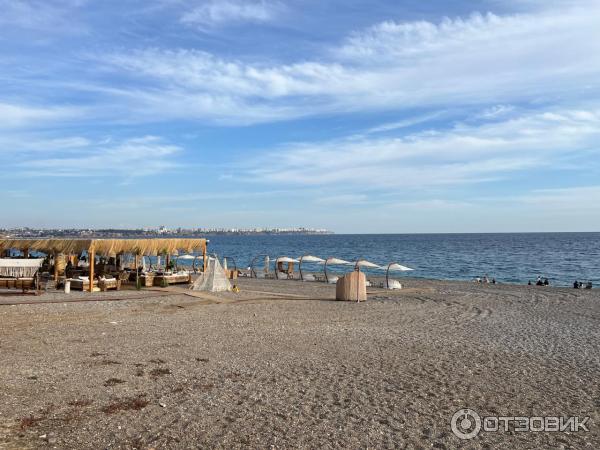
{"points": [[10, 267], [365, 263], [106, 246], [286, 259], [186, 257], [337, 261], [311, 258], [399, 267]]}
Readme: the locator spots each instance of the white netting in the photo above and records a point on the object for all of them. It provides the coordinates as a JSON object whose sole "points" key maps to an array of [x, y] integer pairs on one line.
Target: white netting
{"points": [[19, 267], [213, 279]]}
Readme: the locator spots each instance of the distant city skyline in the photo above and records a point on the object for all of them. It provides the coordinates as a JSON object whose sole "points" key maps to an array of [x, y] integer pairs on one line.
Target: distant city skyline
{"points": [[350, 116]]}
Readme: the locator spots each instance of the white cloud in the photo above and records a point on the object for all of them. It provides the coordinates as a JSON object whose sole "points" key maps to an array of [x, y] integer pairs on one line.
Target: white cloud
{"points": [[463, 154], [131, 158], [220, 12], [406, 123], [477, 60], [40, 15], [13, 116]]}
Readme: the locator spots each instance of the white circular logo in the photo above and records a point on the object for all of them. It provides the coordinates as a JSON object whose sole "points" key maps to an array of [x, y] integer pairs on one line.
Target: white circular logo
{"points": [[466, 424]]}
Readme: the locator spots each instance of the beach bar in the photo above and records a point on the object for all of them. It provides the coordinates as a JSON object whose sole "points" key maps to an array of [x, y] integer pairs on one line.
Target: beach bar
{"points": [[102, 247]]}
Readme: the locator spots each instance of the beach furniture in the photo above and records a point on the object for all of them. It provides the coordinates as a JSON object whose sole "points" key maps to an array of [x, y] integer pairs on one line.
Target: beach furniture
{"points": [[146, 279], [370, 265], [104, 251], [254, 266], [333, 261], [25, 283], [231, 274], [284, 266], [394, 266], [172, 278], [352, 286], [308, 258], [19, 273]]}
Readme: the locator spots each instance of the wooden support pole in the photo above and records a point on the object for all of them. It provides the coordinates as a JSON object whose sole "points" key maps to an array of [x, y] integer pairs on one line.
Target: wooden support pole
{"points": [[26, 253], [204, 258], [55, 267], [92, 259]]}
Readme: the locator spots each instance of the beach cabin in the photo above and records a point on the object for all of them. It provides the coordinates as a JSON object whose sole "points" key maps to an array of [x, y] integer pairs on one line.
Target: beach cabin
{"points": [[66, 252]]}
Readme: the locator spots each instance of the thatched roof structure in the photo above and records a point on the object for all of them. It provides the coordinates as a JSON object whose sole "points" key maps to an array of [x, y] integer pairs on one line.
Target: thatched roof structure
{"points": [[106, 246]]}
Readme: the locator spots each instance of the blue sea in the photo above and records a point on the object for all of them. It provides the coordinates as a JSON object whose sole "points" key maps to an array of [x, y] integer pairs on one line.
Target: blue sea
{"points": [[509, 257]]}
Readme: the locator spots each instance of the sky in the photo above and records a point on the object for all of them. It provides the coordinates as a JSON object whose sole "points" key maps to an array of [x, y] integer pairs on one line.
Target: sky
{"points": [[372, 116]]}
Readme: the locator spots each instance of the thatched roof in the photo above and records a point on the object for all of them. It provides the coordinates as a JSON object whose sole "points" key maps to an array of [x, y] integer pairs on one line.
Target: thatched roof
{"points": [[106, 246]]}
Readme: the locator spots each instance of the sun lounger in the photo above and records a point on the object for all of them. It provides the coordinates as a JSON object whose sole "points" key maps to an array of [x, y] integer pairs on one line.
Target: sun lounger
{"points": [[24, 283], [104, 284], [175, 278]]}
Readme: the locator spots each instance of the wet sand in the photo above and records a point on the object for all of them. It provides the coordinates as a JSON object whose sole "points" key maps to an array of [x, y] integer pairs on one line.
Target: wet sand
{"points": [[282, 365]]}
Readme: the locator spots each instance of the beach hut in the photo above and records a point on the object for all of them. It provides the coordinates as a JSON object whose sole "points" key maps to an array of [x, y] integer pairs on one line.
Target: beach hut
{"points": [[104, 247], [308, 258]]}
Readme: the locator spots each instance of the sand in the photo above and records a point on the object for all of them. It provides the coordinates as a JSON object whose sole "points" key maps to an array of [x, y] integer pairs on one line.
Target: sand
{"points": [[281, 365]]}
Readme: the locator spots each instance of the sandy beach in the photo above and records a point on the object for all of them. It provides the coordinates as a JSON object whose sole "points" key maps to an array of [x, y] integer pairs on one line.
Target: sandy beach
{"points": [[282, 365]]}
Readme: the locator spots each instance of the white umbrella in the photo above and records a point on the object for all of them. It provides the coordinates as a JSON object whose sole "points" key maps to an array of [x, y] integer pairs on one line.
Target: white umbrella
{"points": [[308, 258], [336, 261], [396, 267], [286, 259], [333, 261], [282, 259], [186, 257], [365, 263]]}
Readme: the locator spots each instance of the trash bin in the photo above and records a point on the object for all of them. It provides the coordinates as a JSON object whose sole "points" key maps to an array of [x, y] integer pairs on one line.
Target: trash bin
{"points": [[67, 286]]}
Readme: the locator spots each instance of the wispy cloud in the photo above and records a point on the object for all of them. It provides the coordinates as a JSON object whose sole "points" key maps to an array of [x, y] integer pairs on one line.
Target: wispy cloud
{"points": [[462, 154], [16, 115], [220, 12], [477, 60], [40, 15], [131, 158]]}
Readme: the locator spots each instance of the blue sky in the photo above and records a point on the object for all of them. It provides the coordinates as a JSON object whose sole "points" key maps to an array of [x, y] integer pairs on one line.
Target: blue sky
{"points": [[357, 116]]}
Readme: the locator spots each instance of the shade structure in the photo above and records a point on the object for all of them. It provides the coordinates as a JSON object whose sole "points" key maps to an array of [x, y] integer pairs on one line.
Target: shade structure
{"points": [[286, 259], [334, 261], [255, 260], [398, 267], [226, 262], [308, 258], [185, 257], [283, 259], [150, 246], [368, 264], [213, 279], [105, 247], [395, 267]]}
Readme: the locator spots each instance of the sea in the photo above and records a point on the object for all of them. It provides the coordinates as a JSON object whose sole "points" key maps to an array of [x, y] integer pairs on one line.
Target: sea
{"points": [[508, 257]]}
